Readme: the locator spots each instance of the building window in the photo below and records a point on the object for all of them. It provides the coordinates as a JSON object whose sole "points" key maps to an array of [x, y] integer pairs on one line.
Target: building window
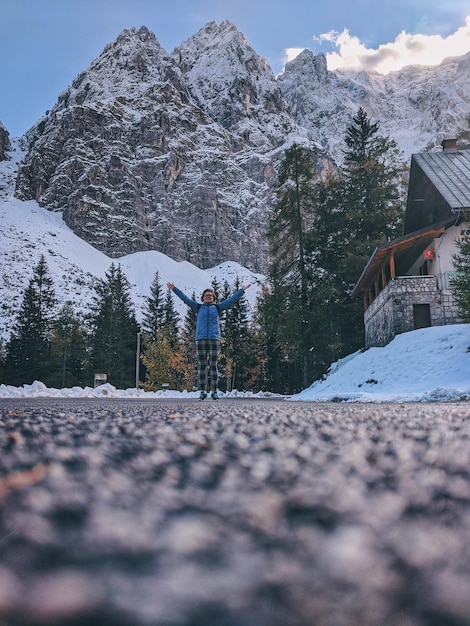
{"points": [[424, 270]]}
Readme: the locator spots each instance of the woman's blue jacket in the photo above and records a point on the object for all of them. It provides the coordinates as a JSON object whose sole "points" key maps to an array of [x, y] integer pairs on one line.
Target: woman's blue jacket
{"points": [[208, 322]]}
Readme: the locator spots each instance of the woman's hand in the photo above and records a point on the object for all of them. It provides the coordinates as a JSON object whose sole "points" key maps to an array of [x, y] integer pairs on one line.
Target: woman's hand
{"points": [[170, 286], [245, 287]]}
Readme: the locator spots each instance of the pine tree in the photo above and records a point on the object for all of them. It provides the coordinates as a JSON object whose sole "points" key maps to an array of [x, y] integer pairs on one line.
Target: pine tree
{"points": [[321, 235], [114, 329], [171, 321], [372, 210], [256, 359], [161, 348], [373, 176], [271, 321], [217, 289], [153, 312], [461, 285], [236, 340], [337, 325], [292, 217], [289, 272], [28, 351], [68, 349]]}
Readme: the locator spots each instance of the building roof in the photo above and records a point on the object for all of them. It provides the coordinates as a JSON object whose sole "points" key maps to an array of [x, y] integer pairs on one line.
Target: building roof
{"points": [[439, 187], [449, 172]]}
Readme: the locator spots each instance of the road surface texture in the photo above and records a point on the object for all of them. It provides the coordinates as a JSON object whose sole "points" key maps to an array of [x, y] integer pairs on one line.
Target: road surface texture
{"points": [[234, 513]]}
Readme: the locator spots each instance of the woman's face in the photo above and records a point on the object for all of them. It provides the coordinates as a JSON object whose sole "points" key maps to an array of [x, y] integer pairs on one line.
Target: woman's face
{"points": [[208, 296]]}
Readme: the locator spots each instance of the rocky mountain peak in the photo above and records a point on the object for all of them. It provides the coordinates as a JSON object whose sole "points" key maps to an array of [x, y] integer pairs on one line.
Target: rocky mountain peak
{"points": [[212, 36], [234, 84], [312, 68], [130, 66]]}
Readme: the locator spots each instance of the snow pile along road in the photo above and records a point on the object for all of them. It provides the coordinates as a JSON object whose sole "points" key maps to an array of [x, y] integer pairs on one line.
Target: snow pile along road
{"points": [[426, 365]]}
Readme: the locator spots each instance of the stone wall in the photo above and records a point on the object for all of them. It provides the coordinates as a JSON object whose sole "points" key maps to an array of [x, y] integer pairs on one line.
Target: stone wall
{"points": [[391, 313]]}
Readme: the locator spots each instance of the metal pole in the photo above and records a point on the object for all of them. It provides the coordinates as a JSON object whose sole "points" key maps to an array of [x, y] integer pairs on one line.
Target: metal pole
{"points": [[137, 362]]}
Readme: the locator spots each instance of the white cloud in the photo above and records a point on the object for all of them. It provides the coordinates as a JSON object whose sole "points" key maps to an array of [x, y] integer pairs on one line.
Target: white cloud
{"points": [[407, 49], [291, 53]]}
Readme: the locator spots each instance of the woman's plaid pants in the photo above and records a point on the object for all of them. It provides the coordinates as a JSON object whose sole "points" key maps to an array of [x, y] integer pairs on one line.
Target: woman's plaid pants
{"points": [[207, 351]]}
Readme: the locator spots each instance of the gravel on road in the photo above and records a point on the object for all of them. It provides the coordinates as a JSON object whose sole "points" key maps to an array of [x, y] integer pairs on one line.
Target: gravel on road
{"points": [[234, 513]]}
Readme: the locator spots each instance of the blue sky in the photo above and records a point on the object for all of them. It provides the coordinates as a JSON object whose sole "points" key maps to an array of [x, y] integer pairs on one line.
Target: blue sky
{"points": [[45, 44]]}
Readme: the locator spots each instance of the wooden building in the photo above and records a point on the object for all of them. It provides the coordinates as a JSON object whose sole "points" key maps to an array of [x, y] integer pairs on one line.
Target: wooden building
{"points": [[407, 282]]}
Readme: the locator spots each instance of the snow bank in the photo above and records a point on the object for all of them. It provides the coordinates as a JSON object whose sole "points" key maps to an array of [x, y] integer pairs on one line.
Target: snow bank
{"points": [[39, 390], [426, 365]]}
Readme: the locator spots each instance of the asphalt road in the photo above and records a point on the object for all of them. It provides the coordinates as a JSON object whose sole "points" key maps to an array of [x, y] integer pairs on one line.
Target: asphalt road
{"points": [[234, 513]]}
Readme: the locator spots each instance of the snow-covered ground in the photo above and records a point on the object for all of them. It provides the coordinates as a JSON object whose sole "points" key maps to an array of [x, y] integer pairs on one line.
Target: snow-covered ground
{"points": [[427, 365]]}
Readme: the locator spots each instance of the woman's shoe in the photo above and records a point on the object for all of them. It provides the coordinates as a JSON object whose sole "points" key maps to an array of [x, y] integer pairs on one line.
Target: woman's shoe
{"points": [[202, 395]]}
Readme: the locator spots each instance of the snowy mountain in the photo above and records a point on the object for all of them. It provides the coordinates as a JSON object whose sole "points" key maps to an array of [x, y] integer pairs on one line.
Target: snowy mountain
{"points": [[236, 87], [29, 230], [147, 151], [417, 106]]}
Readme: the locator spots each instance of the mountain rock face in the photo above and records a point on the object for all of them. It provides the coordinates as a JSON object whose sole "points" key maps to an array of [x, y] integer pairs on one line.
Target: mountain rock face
{"points": [[5, 145], [178, 152], [137, 159]]}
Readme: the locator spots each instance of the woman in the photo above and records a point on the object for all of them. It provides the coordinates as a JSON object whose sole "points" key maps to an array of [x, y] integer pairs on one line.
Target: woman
{"points": [[208, 334]]}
